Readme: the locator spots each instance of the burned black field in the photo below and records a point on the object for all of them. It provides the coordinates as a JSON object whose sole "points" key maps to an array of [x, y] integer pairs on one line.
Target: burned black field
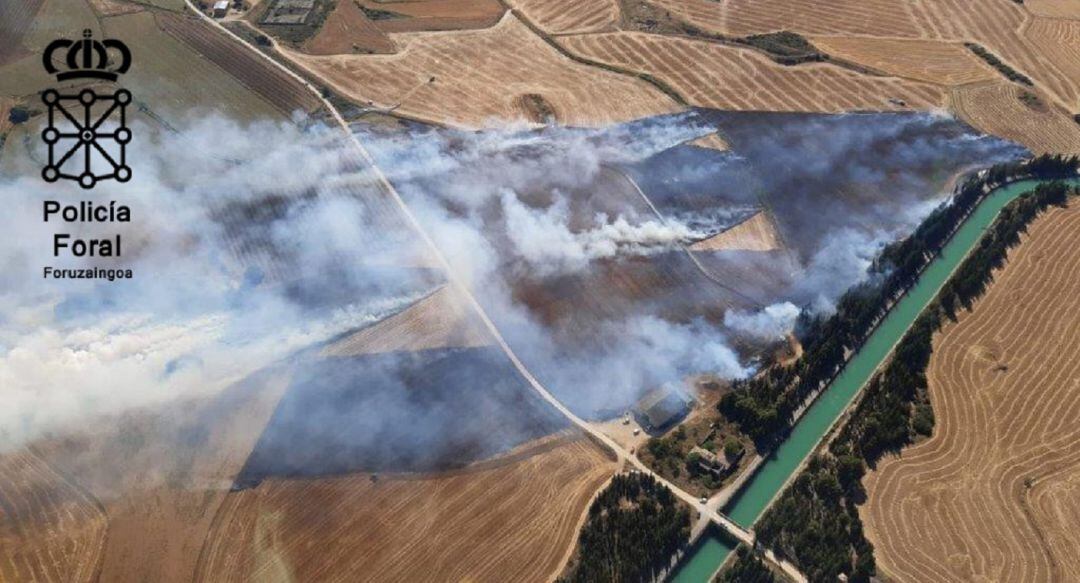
{"points": [[398, 412]]}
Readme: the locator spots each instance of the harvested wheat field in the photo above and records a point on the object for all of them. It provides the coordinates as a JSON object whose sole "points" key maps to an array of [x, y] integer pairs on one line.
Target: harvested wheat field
{"points": [[745, 17], [994, 494], [725, 77], [569, 16], [1053, 8], [713, 141], [945, 63], [481, 76], [130, 499], [996, 108], [1058, 41], [510, 519], [50, 530], [441, 320], [758, 233], [348, 31]]}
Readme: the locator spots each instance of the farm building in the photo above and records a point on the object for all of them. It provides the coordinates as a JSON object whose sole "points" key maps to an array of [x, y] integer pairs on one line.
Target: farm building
{"points": [[221, 8], [662, 407], [717, 465]]}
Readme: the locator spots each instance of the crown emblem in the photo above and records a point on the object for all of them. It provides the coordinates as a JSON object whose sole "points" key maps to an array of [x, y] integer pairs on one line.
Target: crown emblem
{"points": [[87, 58]]}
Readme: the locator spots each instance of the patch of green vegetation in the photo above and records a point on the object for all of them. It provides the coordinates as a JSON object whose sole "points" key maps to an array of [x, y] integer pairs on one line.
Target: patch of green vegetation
{"points": [[634, 528], [747, 568], [297, 34], [672, 455], [1002, 67], [785, 47], [378, 14]]}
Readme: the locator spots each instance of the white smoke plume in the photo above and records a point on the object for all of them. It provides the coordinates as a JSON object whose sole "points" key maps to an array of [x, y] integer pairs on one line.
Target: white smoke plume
{"points": [[771, 323]]}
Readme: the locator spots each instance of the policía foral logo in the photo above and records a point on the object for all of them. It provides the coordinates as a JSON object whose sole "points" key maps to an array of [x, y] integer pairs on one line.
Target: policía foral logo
{"points": [[86, 131]]}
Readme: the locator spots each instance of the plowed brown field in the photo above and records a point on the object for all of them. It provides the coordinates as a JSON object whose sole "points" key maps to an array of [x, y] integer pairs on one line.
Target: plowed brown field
{"points": [[481, 76], [996, 108], [433, 15], [994, 494], [347, 31], [940, 62], [570, 16], [726, 77], [255, 73], [509, 519]]}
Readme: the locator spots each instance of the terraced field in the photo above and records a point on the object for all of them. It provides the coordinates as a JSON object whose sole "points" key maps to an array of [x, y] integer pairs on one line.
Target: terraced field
{"points": [[932, 61], [569, 16], [993, 494], [510, 519], [477, 78], [997, 108], [725, 77]]}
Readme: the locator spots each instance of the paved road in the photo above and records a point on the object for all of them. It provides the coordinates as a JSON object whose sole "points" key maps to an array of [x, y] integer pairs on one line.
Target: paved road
{"points": [[735, 530]]}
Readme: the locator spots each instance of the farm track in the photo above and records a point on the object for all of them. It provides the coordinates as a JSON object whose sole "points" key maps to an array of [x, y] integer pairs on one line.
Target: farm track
{"points": [[480, 77], [992, 495], [733, 529], [525, 508], [282, 91], [725, 77], [568, 16]]}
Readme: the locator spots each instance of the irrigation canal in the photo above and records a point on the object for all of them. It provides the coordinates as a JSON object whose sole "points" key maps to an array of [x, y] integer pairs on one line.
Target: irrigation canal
{"points": [[773, 475]]}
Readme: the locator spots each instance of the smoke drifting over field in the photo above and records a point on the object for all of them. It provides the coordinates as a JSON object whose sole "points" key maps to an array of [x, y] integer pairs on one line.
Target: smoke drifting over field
{"points": [[250, 243], [216, 293]]}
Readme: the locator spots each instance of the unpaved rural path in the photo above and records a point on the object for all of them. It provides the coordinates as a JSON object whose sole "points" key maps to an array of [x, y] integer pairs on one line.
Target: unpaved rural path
{"points": [[733, 529]]}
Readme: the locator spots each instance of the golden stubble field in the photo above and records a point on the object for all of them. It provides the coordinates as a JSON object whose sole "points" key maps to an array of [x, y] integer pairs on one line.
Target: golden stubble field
{"points": [[513, 518], [994, 494]]}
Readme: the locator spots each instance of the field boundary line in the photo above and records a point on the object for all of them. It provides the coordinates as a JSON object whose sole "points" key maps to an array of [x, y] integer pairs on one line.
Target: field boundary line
{"points": [[737, 531]]}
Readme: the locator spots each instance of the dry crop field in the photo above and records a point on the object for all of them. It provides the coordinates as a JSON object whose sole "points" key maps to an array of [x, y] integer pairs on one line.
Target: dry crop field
{"points": [[16, 16], [435, 15], [758, 233], [570, 16], [508, 519], [994, 494], [347, 31], [725, 77], [996, 108], [253, 71], [481, 76], [944, 63]]}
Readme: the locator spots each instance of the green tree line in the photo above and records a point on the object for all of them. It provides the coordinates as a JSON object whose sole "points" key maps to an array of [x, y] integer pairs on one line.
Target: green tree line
{"points": [[763, 406], [634, 528], [815, 522]]}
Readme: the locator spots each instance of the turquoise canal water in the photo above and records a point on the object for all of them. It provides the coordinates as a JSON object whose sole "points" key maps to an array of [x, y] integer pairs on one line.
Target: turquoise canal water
{"points": [[708, 555], [745, 508]]}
